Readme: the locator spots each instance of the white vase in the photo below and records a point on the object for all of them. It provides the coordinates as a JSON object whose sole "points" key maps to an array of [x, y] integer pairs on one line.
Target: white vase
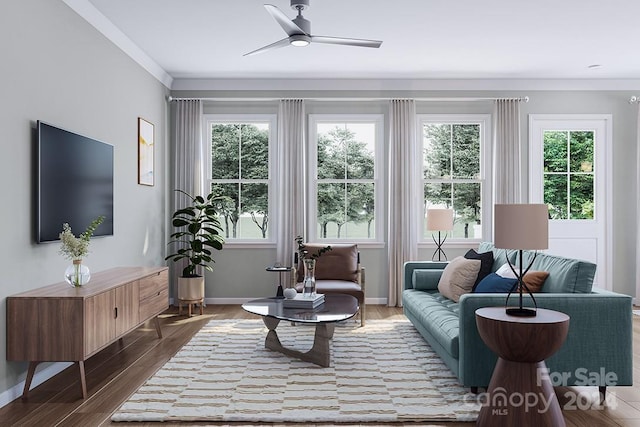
{"points": [[77, 274], [290, 293], [309, 282]]}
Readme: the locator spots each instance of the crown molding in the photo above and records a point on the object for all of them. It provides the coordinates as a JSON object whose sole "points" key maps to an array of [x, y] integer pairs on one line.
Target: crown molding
{"points": [[406, 84], [88, 11]]}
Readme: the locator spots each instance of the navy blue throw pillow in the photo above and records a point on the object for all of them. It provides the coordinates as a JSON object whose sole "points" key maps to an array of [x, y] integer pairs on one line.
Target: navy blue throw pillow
{"points": [[493, 283], [486, 262]]}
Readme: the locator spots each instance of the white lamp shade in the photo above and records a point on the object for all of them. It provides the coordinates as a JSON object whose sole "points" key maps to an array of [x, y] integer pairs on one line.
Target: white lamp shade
{"points": [[521, 226], [439, 219]]}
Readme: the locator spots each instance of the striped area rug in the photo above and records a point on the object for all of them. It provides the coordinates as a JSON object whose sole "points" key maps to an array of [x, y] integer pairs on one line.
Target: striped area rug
{"points": [[383, 372]]}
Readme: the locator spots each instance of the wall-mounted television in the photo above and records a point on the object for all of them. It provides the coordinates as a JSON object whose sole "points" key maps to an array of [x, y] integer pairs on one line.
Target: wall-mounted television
{"points": [[74, 183]]}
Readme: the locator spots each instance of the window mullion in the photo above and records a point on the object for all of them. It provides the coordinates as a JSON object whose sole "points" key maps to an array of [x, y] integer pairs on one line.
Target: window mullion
{"points": [[568, 174]]}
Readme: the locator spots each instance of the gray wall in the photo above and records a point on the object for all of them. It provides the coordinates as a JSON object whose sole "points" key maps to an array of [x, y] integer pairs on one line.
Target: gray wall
{"points": [[232, 278], [55, 67]]}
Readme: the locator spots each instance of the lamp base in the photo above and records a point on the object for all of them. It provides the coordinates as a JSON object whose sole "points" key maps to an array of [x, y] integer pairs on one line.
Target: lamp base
{"points": [[439, 250], [521, 312]]}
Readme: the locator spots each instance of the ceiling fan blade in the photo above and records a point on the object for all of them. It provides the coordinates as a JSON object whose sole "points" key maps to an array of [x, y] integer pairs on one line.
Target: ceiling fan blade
{"points": [[345, 41], [287, 24], [276, 45]]}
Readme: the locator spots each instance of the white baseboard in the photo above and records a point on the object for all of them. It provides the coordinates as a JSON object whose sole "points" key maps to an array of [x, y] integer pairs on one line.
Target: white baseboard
{"points": [[16, 391]]}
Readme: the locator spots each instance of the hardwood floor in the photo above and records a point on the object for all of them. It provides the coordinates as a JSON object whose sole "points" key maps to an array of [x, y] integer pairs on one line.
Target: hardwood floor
{"points": [[116, 372]]}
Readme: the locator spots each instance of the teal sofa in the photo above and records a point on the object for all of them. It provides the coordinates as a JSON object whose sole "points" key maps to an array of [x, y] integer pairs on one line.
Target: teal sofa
{"points": [[597, 351]]}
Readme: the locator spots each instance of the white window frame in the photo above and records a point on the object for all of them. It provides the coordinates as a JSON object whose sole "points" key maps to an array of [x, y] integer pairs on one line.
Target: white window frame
{"points": [[271, 119], [486, 182], [312, 168]]}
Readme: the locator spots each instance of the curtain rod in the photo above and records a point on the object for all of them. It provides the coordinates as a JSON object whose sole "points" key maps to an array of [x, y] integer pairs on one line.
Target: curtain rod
{"points": [[450, 99]]}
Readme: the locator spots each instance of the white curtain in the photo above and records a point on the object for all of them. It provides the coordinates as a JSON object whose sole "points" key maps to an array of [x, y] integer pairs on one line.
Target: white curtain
{"points": [[188, 160], [638, 209], [506, 151], [290, 177], [403, 193]]}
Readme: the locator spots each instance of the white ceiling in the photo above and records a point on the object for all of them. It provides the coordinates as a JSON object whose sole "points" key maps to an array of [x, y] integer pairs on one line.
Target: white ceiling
{"points": [[422, 39]]}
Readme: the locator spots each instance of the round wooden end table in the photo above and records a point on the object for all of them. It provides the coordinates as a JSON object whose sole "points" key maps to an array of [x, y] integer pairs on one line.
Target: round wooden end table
{"points": [[520, 392]]}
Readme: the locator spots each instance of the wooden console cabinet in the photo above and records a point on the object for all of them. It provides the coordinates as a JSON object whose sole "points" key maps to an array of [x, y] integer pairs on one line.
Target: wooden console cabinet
{"points": [[59, 323]]}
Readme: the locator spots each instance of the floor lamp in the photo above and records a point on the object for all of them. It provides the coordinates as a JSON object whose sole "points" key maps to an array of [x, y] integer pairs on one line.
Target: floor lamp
{"points": [[521, 227], [439, 220]]}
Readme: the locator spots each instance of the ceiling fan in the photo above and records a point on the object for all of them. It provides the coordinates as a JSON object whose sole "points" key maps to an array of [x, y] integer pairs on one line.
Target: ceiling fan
{"points": [[299, 31]]}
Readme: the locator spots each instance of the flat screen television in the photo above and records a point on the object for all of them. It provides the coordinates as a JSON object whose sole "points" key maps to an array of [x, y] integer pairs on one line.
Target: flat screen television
{"points": [[74, 183]]}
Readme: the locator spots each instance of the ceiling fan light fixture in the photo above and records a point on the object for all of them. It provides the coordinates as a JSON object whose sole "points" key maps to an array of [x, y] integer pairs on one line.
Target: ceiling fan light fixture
{"points": [[299, 40], [299, 31]]}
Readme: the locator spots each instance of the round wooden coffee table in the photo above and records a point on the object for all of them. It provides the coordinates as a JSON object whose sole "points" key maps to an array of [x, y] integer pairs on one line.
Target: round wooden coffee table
{"points": [[520, 392], [336, 307]]}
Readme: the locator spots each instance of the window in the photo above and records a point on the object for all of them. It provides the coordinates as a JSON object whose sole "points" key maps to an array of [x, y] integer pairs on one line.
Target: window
{"points": [[240, 149], [455, 171], [344, 197], [569, 173]]}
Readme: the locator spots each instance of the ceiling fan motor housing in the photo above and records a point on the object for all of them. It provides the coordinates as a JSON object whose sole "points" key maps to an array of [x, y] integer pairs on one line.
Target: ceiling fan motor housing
{"points": [[304, 24], [299, 4]]}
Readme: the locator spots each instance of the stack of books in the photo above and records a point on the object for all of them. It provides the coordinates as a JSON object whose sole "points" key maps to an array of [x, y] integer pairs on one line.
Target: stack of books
{"points": [[303, 301]]}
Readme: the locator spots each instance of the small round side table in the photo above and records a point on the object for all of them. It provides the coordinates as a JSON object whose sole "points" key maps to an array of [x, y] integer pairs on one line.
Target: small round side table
{"points": [[520, 392], [279, 269]]}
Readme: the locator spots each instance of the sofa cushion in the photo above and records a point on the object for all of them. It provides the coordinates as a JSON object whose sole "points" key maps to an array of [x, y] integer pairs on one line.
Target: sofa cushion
{"points": [[337, 287], [486, 262], [438, 315], [566, 275], [426, 279], [495, 283], [458, 277]]}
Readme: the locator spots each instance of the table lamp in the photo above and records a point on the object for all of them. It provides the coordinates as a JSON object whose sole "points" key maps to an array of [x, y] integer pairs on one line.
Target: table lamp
{"points": [[521, 227], [439, 220]]}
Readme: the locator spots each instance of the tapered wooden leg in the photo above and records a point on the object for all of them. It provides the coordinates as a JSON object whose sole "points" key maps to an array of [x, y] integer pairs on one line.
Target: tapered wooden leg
{"points": [[27, 382], [156, 322], [83, 381], [201, 307], [179, 307]]}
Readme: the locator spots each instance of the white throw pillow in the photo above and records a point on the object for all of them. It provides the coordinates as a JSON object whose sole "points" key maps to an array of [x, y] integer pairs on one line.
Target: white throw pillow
{"points": [[458, 277], [505, 271]]}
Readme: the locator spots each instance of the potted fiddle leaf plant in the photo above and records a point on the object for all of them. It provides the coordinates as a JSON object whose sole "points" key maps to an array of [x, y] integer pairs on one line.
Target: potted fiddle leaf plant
{"points": [[198, 233]]}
